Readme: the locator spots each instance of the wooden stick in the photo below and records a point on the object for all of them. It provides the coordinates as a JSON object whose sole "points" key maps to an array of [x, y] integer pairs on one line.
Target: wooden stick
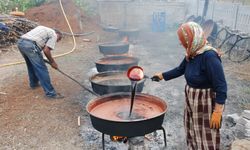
{"points": [[3, 93], [79, 120]]}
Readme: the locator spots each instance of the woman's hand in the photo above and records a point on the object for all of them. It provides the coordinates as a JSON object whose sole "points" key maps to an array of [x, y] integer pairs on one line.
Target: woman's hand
{"points": [[215, 122], [157, 77], [216, 118]]}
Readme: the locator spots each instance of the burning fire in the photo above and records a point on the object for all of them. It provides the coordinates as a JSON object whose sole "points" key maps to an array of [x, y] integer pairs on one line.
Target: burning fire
{"points": [[119, 138]]}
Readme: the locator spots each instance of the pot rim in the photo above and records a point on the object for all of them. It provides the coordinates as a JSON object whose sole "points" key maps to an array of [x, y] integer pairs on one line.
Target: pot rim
{"points": [[125, 94], [129, 30], [112, 72], [113, 44], [134, 59]]}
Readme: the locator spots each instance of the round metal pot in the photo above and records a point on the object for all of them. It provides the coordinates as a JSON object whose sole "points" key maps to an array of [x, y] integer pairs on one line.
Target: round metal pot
{"points": [[113, 48], [210, 29], [131, 33], [105, 115], [110, 28], [113, 82], [190, 18], [113, 63], [198, 19]]}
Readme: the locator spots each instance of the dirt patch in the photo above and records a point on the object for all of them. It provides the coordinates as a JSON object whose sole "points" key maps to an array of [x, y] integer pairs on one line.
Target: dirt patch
{"points": [[30, 121], [51, 15], [239, 70]]}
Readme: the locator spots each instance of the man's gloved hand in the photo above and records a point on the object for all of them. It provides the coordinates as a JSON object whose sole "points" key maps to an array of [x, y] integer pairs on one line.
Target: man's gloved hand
{"points": [[216, 117], [157, 77]]}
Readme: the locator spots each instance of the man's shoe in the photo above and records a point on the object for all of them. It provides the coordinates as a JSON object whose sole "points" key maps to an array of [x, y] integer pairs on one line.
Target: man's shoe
{"points": [[57, 96]]}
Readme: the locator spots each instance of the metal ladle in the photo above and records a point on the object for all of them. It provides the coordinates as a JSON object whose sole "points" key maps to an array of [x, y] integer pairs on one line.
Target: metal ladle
{"points": [[135, 73]]}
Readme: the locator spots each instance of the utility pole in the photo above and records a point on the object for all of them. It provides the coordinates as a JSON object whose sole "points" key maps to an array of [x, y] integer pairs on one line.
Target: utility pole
{"points": [[198, 4], [204, 13]]}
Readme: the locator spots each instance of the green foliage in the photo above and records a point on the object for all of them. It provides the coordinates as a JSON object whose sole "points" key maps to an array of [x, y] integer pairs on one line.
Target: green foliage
{"points": [[244, 2], [247, 91], [8, 5], [86, 6]]}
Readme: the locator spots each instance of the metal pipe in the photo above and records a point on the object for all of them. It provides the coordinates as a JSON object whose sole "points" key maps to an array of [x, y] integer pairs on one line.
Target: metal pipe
{"points": [[236, 16]]}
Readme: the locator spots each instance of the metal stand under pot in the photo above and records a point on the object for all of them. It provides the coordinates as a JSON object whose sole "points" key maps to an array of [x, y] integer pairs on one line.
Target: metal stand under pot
{"points": [[109, 115]]}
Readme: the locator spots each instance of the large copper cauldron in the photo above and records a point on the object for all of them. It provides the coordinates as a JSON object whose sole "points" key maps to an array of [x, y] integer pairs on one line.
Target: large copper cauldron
{"points": [[113, 63], [109, 114]]}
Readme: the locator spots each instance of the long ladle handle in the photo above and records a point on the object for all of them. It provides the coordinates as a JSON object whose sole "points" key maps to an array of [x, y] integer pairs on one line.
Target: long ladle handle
{"points": [[46, 61], [77, 82]]}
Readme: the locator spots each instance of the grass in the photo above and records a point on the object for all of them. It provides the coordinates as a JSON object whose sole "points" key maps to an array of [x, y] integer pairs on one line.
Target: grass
{"points": [[245, 2], [247, 90], [245, 106]]}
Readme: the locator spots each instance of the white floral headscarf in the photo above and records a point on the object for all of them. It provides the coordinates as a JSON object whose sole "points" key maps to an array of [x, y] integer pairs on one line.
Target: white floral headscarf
{"points": [[192, 38]]}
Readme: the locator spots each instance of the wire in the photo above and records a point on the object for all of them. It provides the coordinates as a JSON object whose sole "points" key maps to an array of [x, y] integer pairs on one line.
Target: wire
{"points": [[78, 34], [59, 55], [73, 37]]}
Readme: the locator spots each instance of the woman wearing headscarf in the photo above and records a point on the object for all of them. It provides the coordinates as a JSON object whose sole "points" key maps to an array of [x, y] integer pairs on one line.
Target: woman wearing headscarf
{"points": [[205, 90]]}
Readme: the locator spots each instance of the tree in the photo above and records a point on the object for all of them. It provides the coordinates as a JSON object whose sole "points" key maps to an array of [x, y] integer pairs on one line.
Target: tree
{"points": [[7, 5]]}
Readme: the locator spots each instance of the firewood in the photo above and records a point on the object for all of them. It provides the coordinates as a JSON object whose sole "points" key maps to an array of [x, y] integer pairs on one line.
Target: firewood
{"points": [[17, 27]]}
